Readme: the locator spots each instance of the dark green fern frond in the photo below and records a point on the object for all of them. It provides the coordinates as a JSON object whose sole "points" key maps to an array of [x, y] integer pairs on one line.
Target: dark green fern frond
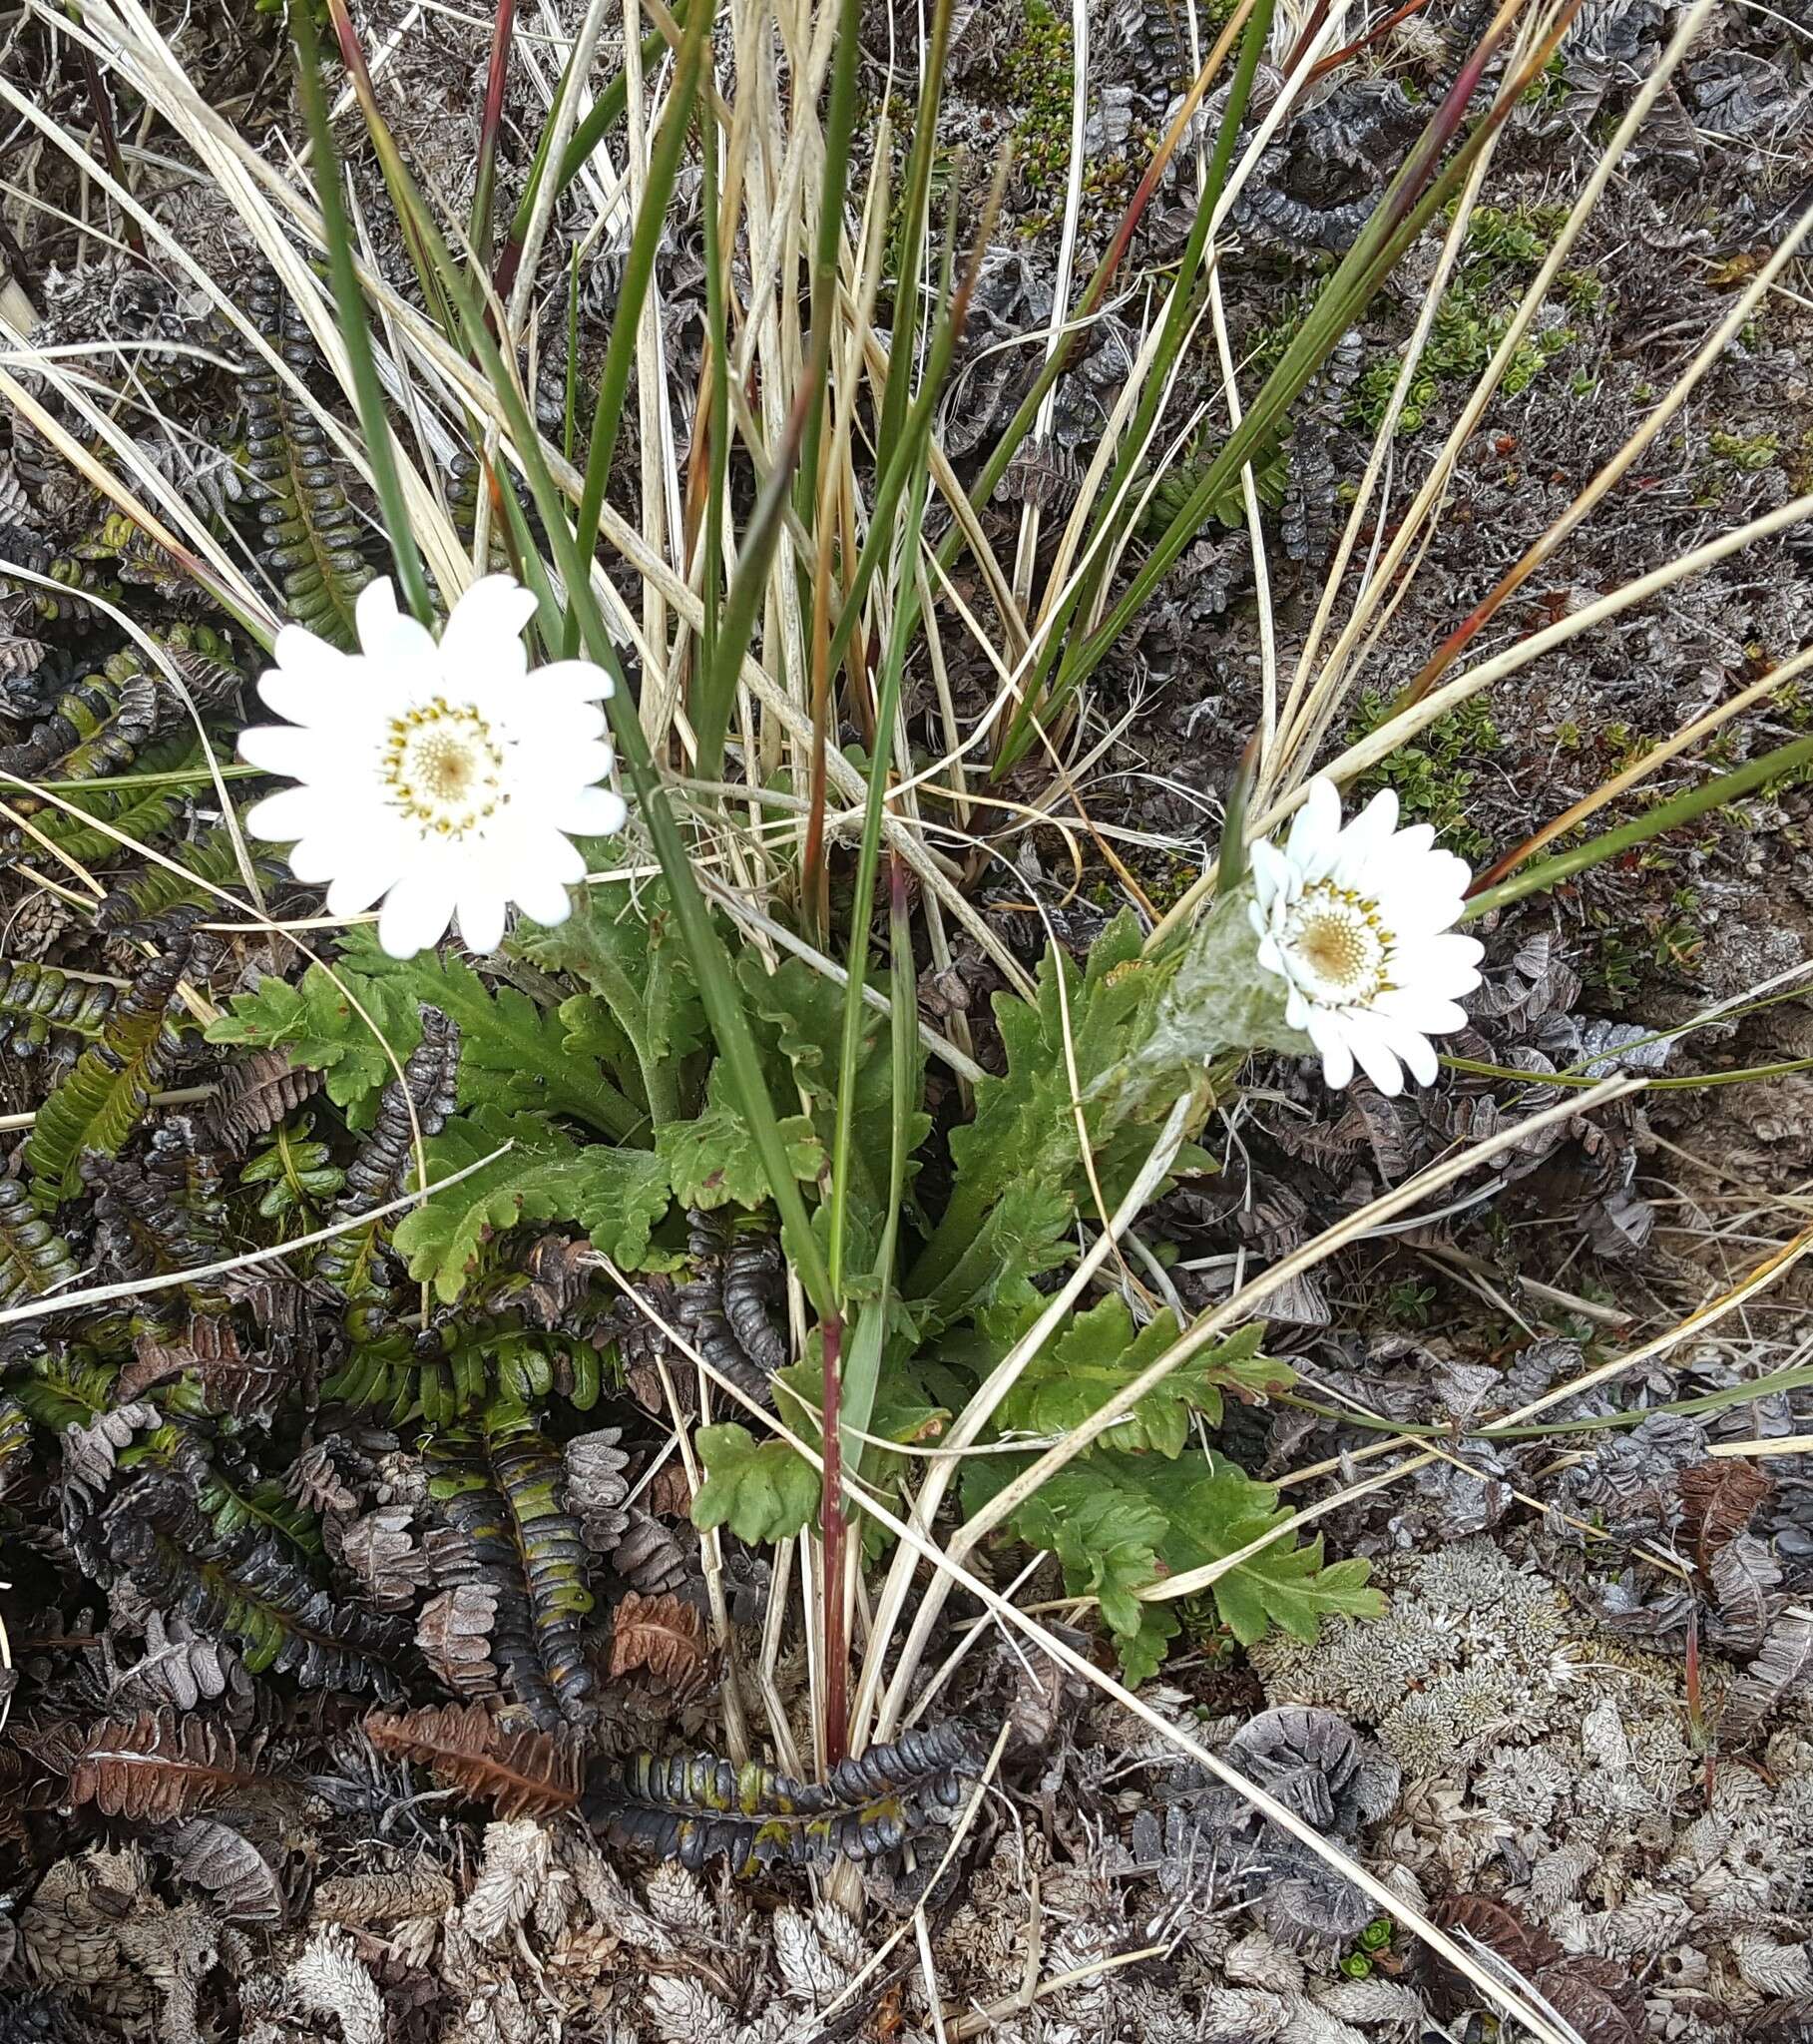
{"points": [[553, 1554], [143, 814], [206, 662], [386, 1156], [311, 535], [34, 1257], [163, 1215], [36, 1000], [125, 545], [244, 1588], [504, 1531], [100, 1104], [65, 605], [97, 728], [447, 1374], [138, 903], [694, 1808]]}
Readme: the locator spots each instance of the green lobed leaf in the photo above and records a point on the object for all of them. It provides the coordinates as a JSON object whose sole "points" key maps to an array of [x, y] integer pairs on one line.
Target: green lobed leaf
{"points": [[1023, 1143], [1284, 1585], [797, 1017], [763, 1491], [1100, 1353], [627, 951], [714, 1162], [512, 1053], [617, 1195], [315, 1022], [1119, 1522]]}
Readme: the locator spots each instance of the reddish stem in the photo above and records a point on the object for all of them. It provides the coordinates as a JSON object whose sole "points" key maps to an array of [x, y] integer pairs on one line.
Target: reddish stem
{"points": [[1351, 49], [831, 1520], [491, 122], [109, 141]]}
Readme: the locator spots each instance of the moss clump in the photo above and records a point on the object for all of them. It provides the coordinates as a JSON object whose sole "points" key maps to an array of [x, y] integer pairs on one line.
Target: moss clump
{"points": [[1475, 314], [1037, 79], [1435, 776], [1748, 454]]}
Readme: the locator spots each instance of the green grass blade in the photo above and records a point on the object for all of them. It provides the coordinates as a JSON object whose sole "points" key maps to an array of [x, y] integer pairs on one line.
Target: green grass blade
{"points": [[705, 946], [1669, 815], [349, 304]]}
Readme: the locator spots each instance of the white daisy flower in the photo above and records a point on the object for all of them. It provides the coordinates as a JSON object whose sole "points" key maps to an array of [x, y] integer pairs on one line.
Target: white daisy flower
{"points": [[1353, 921], [446, 779]]}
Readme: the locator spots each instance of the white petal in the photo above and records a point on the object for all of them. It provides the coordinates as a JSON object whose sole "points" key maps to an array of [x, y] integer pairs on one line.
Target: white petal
{"points": [[289, 813], [1417, 1052], [481, 917], [416, 913], [1330, 1037], [489, 617], [542, 900], [580, 678], [367, 870], [317, 858], [1311, 844], [1431, 887], [1418, 1009], [591, 812], [1364, 840], [295, 753], [1271, 872], [388, 637], [1444, 967], [311, 680], [576, 763], [1296, 1010], [1367, 1040]]}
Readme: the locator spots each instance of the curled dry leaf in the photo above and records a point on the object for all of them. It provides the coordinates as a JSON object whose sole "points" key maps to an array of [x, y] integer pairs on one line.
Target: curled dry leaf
{"points": [[1718, 1500], [522, 1772], [215, 1856], [154, 1766], [664, 1634]]}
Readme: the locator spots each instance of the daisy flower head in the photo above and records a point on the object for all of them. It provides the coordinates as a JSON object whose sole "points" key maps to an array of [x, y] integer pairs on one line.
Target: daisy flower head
{"points": [[444, 777], [1357, 923]]}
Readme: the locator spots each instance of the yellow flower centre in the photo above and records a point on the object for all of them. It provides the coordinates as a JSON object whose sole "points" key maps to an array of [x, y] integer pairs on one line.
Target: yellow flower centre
{"points": [[1340, 951], [442, 766]]}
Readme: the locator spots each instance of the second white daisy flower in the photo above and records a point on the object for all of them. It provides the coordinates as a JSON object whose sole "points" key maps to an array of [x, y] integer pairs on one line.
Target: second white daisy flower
{"points": [[446, 779], [1357, 923]]}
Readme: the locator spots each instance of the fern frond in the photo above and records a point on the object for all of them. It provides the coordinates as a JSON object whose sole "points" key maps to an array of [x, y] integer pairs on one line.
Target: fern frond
{"points": [[520, 1773], [700, 1808], [156, 1766], [36, 999], [140, 815], [97, 728], [531, 1480], [377, 1175], [504, 1528], [34, 1257], [311, 535], [244, 1586], [101, 1102], [138, 903]]}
